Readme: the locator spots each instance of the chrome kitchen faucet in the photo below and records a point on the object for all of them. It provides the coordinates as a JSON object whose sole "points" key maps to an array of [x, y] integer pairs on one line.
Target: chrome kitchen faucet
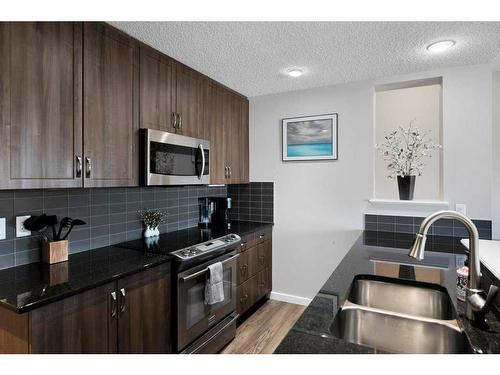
{"points": [[477, 305]]}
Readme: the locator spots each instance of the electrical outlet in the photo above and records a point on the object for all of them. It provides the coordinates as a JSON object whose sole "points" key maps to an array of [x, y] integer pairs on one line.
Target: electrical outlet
{"points": [[21, 231], [2, 228], [461, 208]]}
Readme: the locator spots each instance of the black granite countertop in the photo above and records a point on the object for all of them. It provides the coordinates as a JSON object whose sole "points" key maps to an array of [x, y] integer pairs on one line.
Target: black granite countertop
{"points": [[385, 254], [27, 287], [168, 242]]}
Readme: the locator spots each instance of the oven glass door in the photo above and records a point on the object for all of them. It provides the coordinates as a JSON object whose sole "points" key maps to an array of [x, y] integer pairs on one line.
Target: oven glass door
{"points": [[194, 317], [174, 160]]}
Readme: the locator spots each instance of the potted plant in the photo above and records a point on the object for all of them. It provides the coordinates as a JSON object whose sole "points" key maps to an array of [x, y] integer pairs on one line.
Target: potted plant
{"points": [[151, 219], [405, 150]]}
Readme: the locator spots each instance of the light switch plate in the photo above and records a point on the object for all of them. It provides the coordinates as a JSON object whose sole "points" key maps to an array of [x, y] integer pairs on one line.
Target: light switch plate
{"points": [[2, 228], [461, 208], [21, 231]]}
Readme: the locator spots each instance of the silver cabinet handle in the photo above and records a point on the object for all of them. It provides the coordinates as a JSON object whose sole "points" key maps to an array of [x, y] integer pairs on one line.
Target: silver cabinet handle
{"points": [[180, 122], [230, 171], [78, 166], [174, 120], [122, 300], [200, 146], [88, 163], [113, 304]]}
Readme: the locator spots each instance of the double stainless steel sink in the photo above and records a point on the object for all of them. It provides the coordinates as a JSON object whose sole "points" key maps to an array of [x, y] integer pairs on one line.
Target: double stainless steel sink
{"points": [[400, 316]]}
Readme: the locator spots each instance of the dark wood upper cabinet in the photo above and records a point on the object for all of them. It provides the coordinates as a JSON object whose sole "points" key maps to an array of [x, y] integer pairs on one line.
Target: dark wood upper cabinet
{"points": [[73, 96], [110, 107], [78, 324], [40, 104], [189, 102], [156, 91], [226, 116], [213, 120], [144, 324]]}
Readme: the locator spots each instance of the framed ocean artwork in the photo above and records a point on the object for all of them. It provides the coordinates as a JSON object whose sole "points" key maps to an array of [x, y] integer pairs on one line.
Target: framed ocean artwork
{"points": [[310, 138]]}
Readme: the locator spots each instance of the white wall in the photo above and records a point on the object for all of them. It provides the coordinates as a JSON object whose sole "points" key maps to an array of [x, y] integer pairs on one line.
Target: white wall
{"points": [[495, 196], [319, 206]]}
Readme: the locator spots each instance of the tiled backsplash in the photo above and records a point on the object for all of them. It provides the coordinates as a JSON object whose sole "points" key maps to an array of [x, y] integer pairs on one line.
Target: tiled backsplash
{"points": [[252, 202], [110, 213], [411, 224]]}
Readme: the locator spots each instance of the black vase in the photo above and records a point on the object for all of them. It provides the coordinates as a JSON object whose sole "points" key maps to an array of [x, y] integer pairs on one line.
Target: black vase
{"points": [[406, 185]]}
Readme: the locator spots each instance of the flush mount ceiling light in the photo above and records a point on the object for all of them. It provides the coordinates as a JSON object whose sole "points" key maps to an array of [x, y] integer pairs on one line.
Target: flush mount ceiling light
{"points": [[294, 72], [440, 46]]}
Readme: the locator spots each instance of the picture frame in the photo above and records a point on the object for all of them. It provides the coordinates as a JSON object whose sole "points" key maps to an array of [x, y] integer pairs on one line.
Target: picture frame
{"points": [[310, 138]]}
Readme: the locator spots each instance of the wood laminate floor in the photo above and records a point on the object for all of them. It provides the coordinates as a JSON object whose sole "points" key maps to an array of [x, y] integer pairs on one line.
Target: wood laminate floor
{"points": [[262, 332]]}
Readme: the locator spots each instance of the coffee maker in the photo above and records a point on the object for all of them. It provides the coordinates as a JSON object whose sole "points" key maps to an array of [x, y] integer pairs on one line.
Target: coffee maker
{"points": [[214, 212], [206, 211]]}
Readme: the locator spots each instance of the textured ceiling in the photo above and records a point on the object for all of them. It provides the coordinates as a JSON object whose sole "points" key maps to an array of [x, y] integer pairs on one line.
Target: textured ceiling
{"points": [[251, 57]]}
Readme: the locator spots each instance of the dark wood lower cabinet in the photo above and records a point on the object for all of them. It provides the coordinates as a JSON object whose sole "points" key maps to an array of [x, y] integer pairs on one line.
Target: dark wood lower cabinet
{"points": [[144, 312], [78, 324], [131, 315], [254, 270]]}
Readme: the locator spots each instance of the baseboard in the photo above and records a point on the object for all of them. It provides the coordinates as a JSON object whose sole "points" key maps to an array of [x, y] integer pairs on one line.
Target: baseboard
{"points": [[290, 298]]}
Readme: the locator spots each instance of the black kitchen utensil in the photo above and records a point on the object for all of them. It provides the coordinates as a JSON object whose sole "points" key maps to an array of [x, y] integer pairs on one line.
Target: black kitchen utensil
{"points": [[65, 223], [37, 224], [52, 222], [74, 222]]}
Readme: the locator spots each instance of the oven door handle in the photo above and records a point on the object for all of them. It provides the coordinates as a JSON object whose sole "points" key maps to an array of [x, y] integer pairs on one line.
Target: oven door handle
{"points": [[200, 147], [201, 272]]}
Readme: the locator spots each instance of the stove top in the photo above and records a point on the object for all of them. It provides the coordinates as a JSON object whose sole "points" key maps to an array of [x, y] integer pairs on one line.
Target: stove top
{"points": [[204, 248], [191, 245]]}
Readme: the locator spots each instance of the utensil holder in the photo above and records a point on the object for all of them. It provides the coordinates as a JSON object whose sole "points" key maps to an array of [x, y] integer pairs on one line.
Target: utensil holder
{"points": [[55, 252]]}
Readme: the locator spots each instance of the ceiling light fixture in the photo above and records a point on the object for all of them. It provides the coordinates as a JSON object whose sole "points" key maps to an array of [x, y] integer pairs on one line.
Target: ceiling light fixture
{"points": [[440, 46], [295, 72]]}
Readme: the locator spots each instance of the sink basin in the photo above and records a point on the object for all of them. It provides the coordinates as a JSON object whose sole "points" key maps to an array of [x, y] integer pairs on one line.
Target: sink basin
{"points": [[398, 334], [400, 316], [405, 297]]}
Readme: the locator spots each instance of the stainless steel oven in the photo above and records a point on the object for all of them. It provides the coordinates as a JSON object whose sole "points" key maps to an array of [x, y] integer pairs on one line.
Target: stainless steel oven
{"points": [[201, 326], [173, 159]]}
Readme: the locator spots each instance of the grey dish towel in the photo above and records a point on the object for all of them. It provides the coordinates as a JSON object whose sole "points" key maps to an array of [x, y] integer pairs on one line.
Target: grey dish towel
{"points": [[214, 286]]}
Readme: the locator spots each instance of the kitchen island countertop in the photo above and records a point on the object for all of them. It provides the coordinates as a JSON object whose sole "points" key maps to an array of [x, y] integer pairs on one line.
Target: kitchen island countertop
{"points": [[384, 254]]}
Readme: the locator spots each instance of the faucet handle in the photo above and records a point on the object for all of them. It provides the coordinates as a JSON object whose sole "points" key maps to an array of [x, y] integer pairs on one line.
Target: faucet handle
{"points": [[492, 293], [480, 304]]}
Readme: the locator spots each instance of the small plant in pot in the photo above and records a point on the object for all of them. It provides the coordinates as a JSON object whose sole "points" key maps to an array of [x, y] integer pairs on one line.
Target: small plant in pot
{"points": [[151, 220], [405, 150]]}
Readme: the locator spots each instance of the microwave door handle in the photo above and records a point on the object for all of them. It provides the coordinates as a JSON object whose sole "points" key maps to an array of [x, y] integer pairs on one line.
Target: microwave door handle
{"points": [[200, 147]]}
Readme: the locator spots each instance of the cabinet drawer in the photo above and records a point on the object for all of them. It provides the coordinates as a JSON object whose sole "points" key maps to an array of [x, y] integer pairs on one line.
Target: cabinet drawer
{"points": [[247, 264], [246, 295]]}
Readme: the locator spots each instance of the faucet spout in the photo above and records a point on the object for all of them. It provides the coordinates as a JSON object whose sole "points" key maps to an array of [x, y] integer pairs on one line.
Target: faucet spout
{"points": [[474, 300]]}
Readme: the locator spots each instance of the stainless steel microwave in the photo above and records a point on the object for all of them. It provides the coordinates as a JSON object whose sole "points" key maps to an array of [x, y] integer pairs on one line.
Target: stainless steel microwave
{"points": [[173, 159]]}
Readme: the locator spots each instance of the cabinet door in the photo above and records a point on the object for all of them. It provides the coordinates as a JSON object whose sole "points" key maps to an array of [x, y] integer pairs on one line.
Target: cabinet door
{"points": [[232, 120], [79, 324], [189, 102], [110, 107], [145, 312], [213, 120], [243, 154], [40, 104], [156, 91]]}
